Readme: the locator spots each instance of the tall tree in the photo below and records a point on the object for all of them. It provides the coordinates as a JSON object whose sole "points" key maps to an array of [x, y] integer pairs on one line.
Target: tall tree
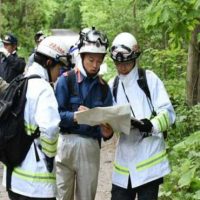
{"points": [[181, 21], [23, 22], [193, 69]]}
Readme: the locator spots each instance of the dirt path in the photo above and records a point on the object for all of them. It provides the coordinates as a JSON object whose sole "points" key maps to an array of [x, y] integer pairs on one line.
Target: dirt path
{"points": [[105, 174], [3, 193], [104, 183]]}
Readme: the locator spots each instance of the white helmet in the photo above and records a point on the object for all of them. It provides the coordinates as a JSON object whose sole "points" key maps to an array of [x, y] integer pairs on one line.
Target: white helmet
{"points": [[124, 48], [84, 31], [53, 47], [93, 41]]}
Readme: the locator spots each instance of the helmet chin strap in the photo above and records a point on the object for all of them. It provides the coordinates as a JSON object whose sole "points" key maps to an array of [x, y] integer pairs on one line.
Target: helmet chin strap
{"points": [[134, 63], [49, 74], [48, 66]]}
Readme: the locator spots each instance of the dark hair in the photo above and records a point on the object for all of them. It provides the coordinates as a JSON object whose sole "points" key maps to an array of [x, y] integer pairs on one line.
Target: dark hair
{"points": [[38, 35], [42, 60]]}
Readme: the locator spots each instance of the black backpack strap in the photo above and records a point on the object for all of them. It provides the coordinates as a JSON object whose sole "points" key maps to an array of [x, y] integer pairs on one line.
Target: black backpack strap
{"points": [[35, 135], [72, 86], [9, 171], [115, 87], [104, 88], [23, 96], [142, 82]]}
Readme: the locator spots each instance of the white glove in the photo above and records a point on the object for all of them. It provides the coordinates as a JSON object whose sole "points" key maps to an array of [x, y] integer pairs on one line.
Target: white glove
{"points": [[4, 52]]}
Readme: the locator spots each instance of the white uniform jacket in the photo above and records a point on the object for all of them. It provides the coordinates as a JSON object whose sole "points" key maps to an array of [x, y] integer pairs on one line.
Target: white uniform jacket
{"points": [[32, 178], [144, 160]]}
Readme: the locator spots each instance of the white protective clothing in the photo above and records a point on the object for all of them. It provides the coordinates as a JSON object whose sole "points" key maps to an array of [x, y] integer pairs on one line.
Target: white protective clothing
{"points": [[143, 159], [32, 178]]}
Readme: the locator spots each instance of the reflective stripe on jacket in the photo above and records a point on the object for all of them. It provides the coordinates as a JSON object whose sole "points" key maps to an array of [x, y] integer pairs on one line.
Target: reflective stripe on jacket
{"points": [[143, 159], [32, 178]]}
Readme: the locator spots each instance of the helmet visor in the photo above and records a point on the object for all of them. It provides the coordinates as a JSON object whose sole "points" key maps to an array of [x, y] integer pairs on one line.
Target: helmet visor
{"points": [[64, 59], [96, 37], [122, 53]]}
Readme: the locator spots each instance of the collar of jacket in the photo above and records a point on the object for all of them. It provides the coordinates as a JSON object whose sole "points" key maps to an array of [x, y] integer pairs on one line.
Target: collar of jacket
{"points": [[81, 77], [35, 68], [131, 76]]}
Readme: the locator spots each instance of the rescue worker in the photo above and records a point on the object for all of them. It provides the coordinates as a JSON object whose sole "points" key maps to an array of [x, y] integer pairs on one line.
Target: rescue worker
{"points": [[141, 160], [38, 37], [75, 56], [10, 64], [78, 157], [35, 177]]}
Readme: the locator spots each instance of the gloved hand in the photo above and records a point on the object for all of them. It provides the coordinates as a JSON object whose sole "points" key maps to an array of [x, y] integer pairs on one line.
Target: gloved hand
{"points": [[4, 52], [49, 163], [144, 125]]}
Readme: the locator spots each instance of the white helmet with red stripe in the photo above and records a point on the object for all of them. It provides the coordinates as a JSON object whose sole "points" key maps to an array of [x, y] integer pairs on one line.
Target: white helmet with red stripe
{"points": [[55, 48]]}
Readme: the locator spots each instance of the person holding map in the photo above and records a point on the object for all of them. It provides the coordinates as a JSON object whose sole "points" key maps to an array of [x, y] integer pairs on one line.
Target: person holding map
{"points": [[78, 157]]}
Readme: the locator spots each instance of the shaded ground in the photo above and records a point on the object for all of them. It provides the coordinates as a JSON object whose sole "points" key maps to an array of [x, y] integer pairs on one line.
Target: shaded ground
{"points": [[104, 183], [105, 174]]}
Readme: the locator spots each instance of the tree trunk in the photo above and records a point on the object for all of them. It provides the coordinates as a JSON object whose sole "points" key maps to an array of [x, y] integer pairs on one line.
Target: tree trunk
{"points": [[193, 70]]}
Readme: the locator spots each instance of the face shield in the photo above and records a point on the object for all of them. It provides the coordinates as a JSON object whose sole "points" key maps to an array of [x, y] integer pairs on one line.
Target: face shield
{"points": [[97, 38], [122, 53]]}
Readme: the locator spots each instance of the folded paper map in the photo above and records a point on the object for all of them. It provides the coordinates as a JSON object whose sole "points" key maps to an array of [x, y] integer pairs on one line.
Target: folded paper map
{"points": [[117, 116]]}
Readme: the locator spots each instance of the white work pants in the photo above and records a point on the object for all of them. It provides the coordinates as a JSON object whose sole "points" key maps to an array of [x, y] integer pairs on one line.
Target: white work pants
{"points": [[77, 167]]}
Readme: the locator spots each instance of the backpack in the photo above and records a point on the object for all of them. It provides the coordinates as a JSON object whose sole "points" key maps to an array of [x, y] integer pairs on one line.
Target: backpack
{"points": [[142, 83], [73, 87], [14, 142]]}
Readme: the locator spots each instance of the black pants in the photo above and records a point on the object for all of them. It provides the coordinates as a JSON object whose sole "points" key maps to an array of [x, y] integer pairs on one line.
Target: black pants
{"points": [[15, 196], [148, 191]]}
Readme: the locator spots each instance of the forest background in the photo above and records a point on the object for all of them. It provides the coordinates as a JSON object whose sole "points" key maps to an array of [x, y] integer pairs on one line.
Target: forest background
{"points": [[168, 32]]}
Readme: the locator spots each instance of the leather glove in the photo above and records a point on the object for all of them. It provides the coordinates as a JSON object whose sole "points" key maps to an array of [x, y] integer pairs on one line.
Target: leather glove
{"points": [[4, 52], [144, 125], [49, 163]]}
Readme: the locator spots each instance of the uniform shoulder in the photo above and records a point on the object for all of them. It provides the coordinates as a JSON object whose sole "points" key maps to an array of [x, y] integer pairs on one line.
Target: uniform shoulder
{"points": [[151, 75], [111, 81]]}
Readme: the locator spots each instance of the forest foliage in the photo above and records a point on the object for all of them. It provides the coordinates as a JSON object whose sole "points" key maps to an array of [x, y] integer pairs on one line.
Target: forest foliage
{"points": [[163, 30]]}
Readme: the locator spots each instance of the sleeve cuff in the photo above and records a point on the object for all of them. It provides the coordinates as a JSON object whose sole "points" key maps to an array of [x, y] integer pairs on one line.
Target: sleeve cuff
{"points": [[155, 129]]}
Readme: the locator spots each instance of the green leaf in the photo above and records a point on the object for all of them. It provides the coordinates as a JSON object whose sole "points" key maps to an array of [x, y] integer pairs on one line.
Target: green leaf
{"points": [[197, 195], [195, 184], [186, 178], [189, 141]]}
